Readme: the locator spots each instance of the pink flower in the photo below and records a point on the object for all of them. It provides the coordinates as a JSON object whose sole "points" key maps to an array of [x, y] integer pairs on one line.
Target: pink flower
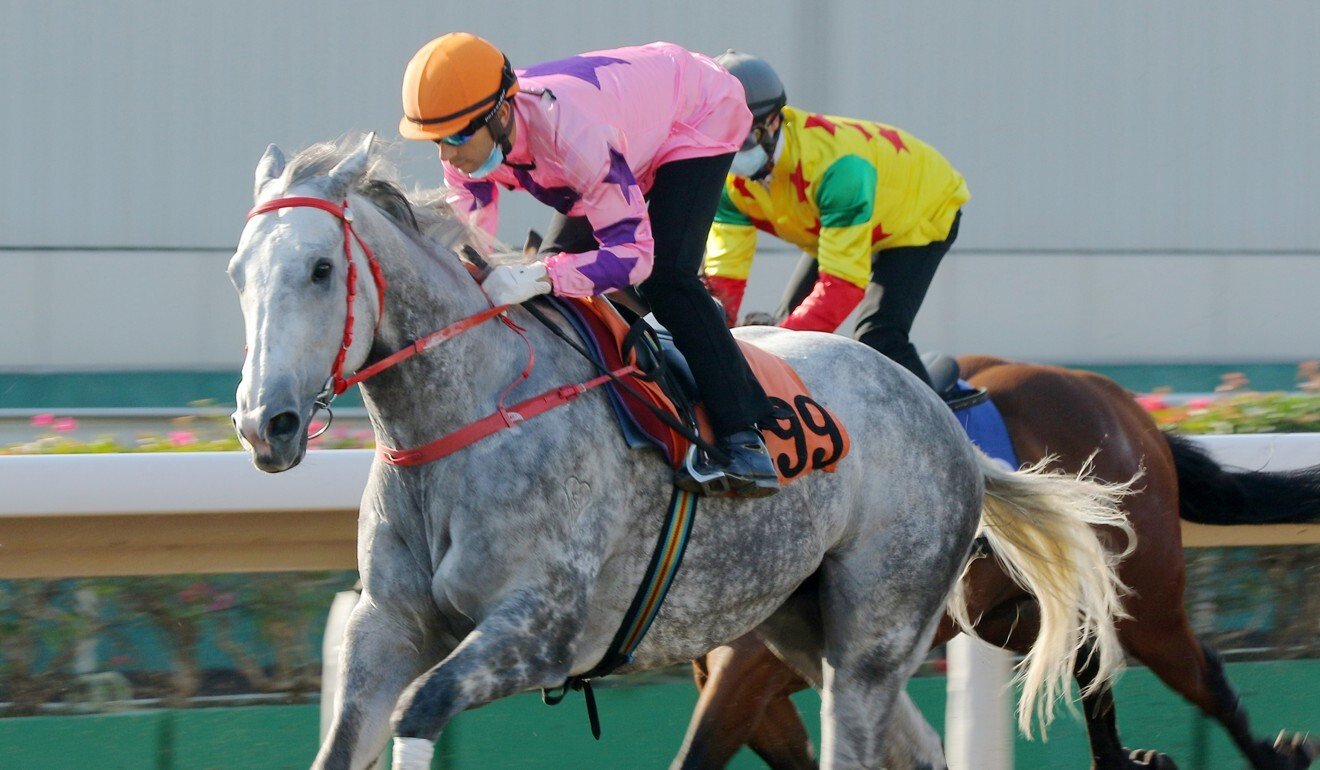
{"points": [[181, 438], [221, 602], [1231, 381], [1152, 402], [64, 425], [43, 420], [195, 591], [1199, 403]]}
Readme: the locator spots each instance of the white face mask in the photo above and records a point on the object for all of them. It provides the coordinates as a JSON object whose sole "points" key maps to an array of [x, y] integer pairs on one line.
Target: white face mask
{"points": [[746, 163], [491, 163]]}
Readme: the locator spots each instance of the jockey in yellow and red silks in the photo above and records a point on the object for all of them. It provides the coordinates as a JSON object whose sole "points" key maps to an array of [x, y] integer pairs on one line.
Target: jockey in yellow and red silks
{"points": [[874, 208]]}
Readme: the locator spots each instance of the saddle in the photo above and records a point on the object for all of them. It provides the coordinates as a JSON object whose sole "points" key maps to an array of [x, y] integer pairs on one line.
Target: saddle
{"points": [[972, 406], [803, 435], [946, 379]]}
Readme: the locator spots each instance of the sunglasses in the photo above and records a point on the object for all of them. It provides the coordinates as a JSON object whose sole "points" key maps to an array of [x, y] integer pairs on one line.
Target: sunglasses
{"points": [[757, 135], [462, 137]]}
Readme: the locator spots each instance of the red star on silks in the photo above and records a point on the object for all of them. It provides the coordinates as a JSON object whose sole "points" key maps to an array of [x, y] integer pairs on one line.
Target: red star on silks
{"points": [[740, 185], [814, 230], [878, 233], [762, 225], [799, 182], [820, 121], [893, 137], [861, 128]]}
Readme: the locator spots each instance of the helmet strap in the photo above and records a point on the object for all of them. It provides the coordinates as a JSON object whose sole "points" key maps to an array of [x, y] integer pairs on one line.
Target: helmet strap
{"points": [[499, 129]]}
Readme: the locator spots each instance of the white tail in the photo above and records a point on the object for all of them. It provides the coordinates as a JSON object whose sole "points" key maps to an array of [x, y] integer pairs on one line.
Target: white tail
{"points": [[1040, 527]]}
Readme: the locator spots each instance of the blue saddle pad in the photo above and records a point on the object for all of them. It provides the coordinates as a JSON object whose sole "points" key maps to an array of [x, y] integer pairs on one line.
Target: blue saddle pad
{"points": [[633, 434], [985, 427]]}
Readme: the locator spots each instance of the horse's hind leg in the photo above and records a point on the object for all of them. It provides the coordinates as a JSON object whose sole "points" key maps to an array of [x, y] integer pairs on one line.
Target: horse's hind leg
{"points": [[1107, 751], [780, 738], [1196, 672], [1162, 639], [912, 744], [1284, 753], [1013, 625], [879, 615], [744, 700]]}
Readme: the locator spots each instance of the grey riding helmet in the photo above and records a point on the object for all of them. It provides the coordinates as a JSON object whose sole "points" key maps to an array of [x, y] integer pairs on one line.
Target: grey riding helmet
{"points": [[764, 89], [765, 96]]}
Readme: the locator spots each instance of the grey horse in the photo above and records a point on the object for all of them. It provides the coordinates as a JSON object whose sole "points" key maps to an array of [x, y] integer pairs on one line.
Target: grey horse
{"points": [[508, 565]]}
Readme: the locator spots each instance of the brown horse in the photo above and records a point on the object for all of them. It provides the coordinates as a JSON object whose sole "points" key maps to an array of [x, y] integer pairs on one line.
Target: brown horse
{"points": [[1069, 415]]}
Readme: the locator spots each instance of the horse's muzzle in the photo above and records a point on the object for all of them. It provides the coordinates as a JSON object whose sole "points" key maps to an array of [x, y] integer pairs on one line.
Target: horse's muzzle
{"points": [[274, 434]]}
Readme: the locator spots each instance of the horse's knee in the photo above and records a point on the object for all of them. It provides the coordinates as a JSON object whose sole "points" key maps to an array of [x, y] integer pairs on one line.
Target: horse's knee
{"points": [[424, 707]]}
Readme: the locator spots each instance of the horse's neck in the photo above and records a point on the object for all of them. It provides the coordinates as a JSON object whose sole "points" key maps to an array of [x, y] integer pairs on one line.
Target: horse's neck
{"points": [[455, 382]]}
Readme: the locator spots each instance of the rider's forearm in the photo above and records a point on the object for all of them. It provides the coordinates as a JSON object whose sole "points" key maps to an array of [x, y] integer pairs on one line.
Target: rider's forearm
{"points": [[830, 301]]}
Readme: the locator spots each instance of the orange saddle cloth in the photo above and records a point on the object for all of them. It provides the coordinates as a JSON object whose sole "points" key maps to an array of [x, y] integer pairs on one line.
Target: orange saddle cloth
{"points": [[805, 436]]}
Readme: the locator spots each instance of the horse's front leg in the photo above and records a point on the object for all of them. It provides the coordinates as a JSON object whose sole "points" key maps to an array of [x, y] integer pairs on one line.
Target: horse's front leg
{"points": [[384, 649], [525, 642]]}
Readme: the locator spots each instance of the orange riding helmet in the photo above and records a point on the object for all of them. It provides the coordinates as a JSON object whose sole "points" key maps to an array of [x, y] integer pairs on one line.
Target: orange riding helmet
{"points": [[452, 81]]}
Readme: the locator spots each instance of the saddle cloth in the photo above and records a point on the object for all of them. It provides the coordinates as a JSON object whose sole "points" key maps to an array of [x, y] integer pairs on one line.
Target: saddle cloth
{"points": [[805, 435], [981, 420], [985, 427]]}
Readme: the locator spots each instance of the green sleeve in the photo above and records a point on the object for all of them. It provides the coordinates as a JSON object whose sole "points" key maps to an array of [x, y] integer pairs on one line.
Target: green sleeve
{"points": [[727, 213], [846, 193]]}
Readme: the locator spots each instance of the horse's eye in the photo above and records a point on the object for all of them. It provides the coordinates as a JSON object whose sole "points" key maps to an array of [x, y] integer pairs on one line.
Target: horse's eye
{"points": [[322, 271]]}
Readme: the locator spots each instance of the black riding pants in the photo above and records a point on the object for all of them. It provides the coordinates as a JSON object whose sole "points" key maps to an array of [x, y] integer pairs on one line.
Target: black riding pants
{"points": [[899, 280], [681, 206]]}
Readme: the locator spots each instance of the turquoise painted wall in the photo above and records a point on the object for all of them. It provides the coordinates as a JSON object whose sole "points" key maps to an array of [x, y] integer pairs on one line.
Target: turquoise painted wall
{"points": [[66, 390], [643, 727]]}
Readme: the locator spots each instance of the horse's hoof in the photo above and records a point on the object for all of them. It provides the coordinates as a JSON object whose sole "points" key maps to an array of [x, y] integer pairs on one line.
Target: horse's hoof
{"points": [[1290, 751]]}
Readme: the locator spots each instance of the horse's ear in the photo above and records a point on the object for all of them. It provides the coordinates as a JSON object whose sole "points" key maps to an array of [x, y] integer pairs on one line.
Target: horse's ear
{"points": [[349, 170], [269, 168]]}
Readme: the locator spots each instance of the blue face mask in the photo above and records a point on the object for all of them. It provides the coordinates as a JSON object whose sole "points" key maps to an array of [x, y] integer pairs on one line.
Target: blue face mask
{"points": [[746, 163], [493, 161]]}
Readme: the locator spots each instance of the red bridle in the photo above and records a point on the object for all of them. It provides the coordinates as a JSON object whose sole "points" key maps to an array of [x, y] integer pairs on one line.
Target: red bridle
{"points": [[502, 418], [337, 384]]}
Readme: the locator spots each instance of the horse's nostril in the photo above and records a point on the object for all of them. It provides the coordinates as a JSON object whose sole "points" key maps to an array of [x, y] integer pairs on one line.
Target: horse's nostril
{"points": [[282, 426]]}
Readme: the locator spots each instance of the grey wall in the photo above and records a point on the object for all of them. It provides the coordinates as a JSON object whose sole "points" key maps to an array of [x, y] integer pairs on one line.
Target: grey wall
{"points": [[1141, 173]]}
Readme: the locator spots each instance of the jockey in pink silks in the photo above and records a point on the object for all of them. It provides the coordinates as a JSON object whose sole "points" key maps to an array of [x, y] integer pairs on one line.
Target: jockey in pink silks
{"points": [[630, 147]]}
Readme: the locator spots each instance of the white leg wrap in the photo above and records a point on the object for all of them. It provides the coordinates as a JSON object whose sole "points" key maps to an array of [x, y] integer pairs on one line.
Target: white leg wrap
{"points": [[412, 754]]}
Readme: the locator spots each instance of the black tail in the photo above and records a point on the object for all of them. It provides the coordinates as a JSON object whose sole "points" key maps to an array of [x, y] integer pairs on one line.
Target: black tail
{"points": [[1211, 494]]}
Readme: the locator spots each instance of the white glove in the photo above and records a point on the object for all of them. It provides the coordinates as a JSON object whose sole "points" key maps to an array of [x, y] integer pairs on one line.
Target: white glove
{"points": [[515, 284]]}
